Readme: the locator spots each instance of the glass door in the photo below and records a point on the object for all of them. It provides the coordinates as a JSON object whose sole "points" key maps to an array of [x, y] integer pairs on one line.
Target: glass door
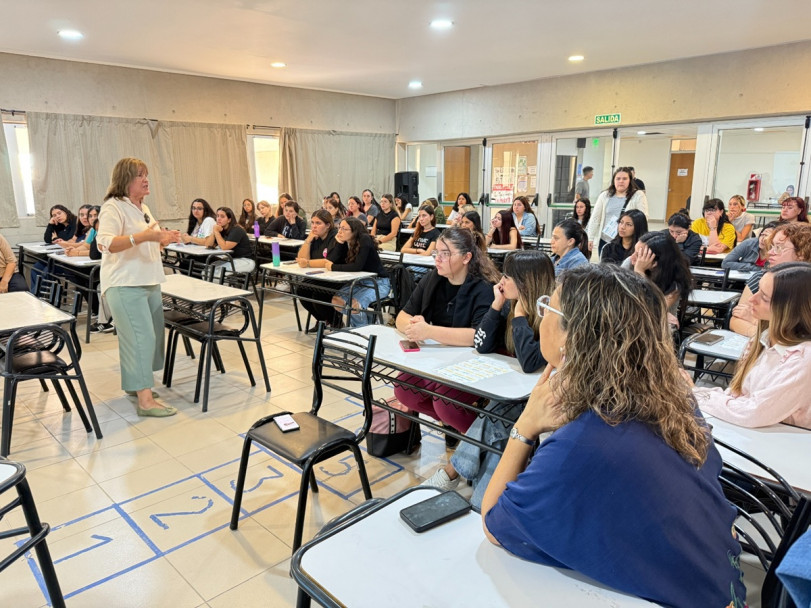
{"points": [[514, 172]]}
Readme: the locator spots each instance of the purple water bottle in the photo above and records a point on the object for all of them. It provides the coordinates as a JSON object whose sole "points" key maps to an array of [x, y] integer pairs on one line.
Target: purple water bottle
{"points": [[256, 229], [274, 248]]}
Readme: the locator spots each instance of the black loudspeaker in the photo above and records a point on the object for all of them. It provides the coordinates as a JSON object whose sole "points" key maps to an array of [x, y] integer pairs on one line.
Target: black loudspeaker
{"points": [[581, 143], [407, 183]]}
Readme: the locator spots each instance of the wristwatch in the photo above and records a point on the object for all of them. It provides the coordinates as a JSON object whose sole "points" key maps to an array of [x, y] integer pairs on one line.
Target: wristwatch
{"points": [[514, 434]]}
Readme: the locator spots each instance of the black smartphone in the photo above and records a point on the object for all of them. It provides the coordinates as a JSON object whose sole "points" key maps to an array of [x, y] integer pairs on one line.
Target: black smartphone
{"points": [[708, 339], [435, 511]]}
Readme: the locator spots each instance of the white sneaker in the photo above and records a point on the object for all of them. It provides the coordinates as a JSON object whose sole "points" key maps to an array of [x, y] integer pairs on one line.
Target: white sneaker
{"points": [[441, 481]]}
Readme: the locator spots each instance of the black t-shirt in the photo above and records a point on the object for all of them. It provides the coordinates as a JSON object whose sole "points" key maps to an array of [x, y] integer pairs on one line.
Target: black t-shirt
{"points": [[383, 222], [615, 253], [425, 239], [236, 234], [320, 248], [443, 304]]}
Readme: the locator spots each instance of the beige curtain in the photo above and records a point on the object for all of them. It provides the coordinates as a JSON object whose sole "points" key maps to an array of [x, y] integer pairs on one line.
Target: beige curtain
{"points": [[74, 157], [8, 207], [315, 163]]}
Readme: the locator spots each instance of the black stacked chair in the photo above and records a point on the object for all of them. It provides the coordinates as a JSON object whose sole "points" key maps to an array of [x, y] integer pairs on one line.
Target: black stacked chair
{"points": [[317, 439], [12, 475]]}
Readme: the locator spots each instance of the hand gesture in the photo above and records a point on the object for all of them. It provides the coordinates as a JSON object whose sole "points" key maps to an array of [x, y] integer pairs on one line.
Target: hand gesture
{"points": [[498, 296], [169, 236], [417, 329], [186, 238], [217, 228], [645, 260], [303, 262], [542, 412], [328, 265]]}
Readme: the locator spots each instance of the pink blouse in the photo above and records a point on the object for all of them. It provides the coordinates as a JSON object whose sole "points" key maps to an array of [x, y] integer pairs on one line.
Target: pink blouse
{"points": [[776, 389]]}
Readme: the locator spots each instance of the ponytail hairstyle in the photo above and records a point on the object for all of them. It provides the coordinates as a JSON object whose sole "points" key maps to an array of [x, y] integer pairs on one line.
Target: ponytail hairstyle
{"points": [[573, 230], [466, 241]]}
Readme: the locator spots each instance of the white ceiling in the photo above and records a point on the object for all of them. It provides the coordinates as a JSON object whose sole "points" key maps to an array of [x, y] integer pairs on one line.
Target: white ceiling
{"points": [[375, 47]]}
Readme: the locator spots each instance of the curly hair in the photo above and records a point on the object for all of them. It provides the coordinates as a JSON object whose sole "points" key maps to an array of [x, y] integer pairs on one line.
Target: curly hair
{"points": [[619, 360], [800, 236]]}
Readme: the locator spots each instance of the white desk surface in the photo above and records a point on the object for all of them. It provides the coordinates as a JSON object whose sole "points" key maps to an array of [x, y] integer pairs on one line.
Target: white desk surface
{"points": [[731, 347], [715, 273], [785, 448], [711, 297], [286, 243], [715, 256], [320, 274], [41, 247], [535, 239], [192, 249], [432, 358], [493, 251], [409, 259], [22, 309], [79, 260], [411, 230], [452, 565], [198, 291]]}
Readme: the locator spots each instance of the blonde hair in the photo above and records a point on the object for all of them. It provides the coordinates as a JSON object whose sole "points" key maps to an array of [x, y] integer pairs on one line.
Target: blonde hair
{"points": [[619, 360], [790, 316], [124, 172]]}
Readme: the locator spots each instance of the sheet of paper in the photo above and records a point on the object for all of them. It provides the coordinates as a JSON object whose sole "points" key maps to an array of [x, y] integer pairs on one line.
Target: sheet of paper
{"points": [[473, 370]]}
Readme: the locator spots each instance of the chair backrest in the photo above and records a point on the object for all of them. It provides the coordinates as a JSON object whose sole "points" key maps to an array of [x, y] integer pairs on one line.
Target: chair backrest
{"points": [[38, 338], [716, 278], [48, 290], [773, 593], [340, 358]]}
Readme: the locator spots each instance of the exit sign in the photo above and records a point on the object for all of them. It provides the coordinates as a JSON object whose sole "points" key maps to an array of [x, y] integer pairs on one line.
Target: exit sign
{"points": [[608, 119]]}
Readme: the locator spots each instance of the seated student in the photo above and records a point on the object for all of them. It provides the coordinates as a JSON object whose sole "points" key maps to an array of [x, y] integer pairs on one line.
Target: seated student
{"points": [[386, 224], [404, 208], [371, 206], [678, 225], [717, 232], [631, 225], [510, 327], [569, 245], [742, 221], [793, 209], [751, 254], [354, 208], [60, 229], [336, 210], [658, 258], [201, 223], [283, 198], [83, 225], [356, 251], [10, 279], [104, 320], [471, 220], [525, 221], [439, 212], [789, 242], [582, 212], [503, 233], [462, 200], [771, 382], [231, 237], [82, 248], [290, 225], [248, 216], [447, 306], [313, 254], [629, 460], [423, 241], [265, 216]]}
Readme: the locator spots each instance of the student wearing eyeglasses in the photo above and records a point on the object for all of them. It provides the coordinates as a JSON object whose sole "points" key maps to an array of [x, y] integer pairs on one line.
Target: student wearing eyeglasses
{"points": [[510, 326], [790, 242], [201, 222], [447, 306]]}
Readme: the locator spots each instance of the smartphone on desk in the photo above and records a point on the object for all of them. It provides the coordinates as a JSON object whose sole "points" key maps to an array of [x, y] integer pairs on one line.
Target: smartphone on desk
{"points": [[708, 339], [288, 262], [315, 272], [409, 346], [435, 511]]}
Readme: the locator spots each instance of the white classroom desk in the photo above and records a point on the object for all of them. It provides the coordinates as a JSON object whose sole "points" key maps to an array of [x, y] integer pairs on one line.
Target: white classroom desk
{"points": [[78, 261], [22, 309], [718, 257], [452, 566], [711, 297], [197, 291], [41, 248], [438, 227], [784, 448], [192, 250], [316, 274], [713, 273], [283, 242], [409, 259], [512, 385], [730, 348]]}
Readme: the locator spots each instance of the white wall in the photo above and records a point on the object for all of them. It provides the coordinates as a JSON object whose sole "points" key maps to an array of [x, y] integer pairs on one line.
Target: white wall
{"points": [[650, 158]]}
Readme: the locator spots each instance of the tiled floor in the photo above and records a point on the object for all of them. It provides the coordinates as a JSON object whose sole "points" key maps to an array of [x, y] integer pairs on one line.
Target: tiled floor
{"points": [[140, 517]]}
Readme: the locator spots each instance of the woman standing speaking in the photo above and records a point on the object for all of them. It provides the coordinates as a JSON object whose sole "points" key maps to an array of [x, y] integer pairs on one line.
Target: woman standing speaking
{"points": [[131, 273]]}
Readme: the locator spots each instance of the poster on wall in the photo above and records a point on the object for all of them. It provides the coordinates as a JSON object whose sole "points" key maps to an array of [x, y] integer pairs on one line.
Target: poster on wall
{"points": [[501, 196]]}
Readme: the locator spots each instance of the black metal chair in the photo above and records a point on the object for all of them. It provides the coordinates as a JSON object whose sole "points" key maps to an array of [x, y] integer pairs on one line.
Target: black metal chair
{"points": [[32, 353], [773, 594], [317, 439], [12, 475]]}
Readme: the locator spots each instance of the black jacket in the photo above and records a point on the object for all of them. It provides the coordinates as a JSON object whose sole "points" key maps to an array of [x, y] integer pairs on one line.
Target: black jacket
{"points": [[60, 231], [472, 301], [367, 259], [691, 248], [491, 336], [614, 253], [280, 227]]}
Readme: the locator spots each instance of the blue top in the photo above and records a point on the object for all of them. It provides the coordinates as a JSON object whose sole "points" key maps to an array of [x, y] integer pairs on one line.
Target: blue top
{"points": [[530, 224], [617, 504], [572, 259], [795, 570]]}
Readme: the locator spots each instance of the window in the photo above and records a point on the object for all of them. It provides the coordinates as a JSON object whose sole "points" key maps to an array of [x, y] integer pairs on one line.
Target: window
{"points": [[21, 166], [514, 172], [264, 164]]}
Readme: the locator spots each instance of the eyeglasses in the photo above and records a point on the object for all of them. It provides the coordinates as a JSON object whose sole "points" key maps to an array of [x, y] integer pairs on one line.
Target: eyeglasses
{"points": [[543, 305], [780, 248], [197, 208], [443, 255]]}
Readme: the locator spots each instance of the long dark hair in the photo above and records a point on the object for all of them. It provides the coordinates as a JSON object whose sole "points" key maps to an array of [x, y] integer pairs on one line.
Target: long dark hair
{"points": [[672, 268], [359, 232], [717, 204], [587, 215], [246, 219], [640, 225], [534, 276], [632, 187], [679, 220], [373, 202], [474, 217], [466, 241], [207, 212], [573, 230], [502, 235], [70, 218], [403, 198], [232, 218], [418, 228], [81, 229], [359, 203], [468, 200], [338, 205]]}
